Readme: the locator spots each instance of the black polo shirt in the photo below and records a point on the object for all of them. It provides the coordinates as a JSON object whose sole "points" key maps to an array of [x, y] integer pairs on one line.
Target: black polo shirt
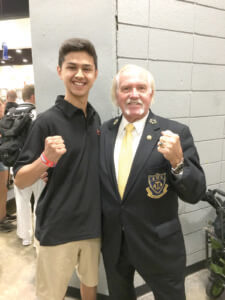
{"points": [[69, 206]]}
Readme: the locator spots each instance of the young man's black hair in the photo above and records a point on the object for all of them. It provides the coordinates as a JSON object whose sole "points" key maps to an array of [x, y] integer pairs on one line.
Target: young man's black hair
{"points": [[75, 45]]}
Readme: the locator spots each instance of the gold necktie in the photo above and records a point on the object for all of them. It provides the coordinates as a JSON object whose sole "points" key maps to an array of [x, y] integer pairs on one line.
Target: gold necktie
{"points": [[125, 159]]}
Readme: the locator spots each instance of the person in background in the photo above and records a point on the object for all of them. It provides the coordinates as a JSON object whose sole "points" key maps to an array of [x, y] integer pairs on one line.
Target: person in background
{"points": [[11, 97], [23, 196], [147, 162], [64, 141], [5, 219]]}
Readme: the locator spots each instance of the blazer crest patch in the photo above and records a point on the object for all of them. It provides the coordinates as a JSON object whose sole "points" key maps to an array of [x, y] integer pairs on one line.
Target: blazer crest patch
{"points": [[157, 185]]}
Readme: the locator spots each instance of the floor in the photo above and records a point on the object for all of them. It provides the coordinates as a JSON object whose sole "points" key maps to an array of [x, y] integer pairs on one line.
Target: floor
{"points": [[17, 273]]}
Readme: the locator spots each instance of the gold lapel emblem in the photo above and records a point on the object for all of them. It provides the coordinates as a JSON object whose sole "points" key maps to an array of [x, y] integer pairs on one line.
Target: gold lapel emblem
{"points": [[115, 122], [152, 121], [157, 185], [149, 137]]}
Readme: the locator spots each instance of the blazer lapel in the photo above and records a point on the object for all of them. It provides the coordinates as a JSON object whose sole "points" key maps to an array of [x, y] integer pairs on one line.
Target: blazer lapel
{"points": [[148, 141], [110, 140]]}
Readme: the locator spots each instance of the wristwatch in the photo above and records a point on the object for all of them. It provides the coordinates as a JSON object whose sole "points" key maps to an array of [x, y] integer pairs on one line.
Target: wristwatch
{"points": [[178, 170]]}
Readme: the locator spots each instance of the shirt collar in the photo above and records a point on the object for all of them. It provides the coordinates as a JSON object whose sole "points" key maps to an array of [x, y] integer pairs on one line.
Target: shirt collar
{"points": [[69, 109], [138, 125]]}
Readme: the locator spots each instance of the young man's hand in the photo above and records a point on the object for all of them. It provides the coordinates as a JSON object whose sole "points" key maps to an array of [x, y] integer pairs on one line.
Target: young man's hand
{"points": [[54, 148]]}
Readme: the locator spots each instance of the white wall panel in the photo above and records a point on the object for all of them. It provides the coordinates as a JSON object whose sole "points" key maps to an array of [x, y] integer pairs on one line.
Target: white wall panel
{"points": [[171, 75], [209, 49], [208, 77], [133, 11], [213, 3], [196, 220], [133, 42], [207, 103], [169, 45], [171, 14], [209, 21], [210, 151], [195, 241], [206, 128], [172, 104], [212, 173]]}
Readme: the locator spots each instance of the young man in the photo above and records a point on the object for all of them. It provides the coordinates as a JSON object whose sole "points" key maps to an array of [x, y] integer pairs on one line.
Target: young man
{"points": [[23, 196], [64, 141], [147, 162]]}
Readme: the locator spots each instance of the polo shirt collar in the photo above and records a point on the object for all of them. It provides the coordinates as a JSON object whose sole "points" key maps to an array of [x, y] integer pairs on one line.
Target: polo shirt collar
{"points": [[69, 109]]}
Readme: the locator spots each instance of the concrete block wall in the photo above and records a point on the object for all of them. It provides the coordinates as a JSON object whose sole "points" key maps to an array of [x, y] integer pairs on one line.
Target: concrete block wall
{"points": [[183, 44]]}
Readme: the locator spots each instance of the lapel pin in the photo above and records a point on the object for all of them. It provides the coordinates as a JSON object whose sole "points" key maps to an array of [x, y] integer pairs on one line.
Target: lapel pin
{"points": [[152, 121], [115, 122], [149, 137]]}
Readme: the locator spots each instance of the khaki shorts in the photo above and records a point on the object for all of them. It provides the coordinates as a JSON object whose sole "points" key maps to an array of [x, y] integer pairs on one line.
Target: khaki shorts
{"points": [[56, 264]]}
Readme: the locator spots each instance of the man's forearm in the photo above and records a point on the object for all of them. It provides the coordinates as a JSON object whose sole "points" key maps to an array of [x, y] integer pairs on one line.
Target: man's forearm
{"points": [[29, 174]]}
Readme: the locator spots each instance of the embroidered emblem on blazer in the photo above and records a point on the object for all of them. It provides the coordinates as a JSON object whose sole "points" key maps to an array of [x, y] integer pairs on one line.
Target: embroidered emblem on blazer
{"points": [[157, 185]]}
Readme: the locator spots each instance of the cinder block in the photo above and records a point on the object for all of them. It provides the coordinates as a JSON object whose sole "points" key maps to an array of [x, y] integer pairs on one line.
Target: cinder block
{"points": [[212, 173], [170, 14], [139, 62], [133, 41], [171, 75], [207, 103], [215, 49], [205, 17], [188, 207], [172, 104], [213, 3], [207, 128], [195, 241], [224, 150], [208, 77], [133, 11], [169, 45], [210, 151], [184, 121], [222, 186], [223, 171], [196, 220], [196, 257]]}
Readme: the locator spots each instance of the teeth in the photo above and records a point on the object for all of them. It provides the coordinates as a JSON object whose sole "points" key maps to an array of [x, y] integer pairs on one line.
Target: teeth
{"points": [[138, 101], [78, 83]]}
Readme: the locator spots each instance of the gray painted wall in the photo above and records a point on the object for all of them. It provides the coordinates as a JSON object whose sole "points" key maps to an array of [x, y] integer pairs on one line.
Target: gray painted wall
{"points": [[181, 42], [54, 21]]}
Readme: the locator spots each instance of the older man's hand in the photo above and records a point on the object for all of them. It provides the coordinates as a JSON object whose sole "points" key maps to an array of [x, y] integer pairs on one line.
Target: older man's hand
{"points": [[170, 147]]}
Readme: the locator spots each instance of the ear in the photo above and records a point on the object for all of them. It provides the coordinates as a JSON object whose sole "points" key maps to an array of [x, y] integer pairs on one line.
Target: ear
{"points": [[33, 99], [59, 70], [96, 74]]}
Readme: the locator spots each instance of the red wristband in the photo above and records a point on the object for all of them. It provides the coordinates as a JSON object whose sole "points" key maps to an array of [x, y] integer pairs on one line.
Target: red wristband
{"points": [[47, 162]]}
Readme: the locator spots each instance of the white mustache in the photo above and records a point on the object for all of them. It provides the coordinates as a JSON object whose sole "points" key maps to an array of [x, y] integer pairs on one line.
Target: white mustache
{"points": [[136, 101]]}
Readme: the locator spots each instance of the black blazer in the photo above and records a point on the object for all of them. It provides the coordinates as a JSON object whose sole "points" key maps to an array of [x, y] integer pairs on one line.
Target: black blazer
{"points": [[148, 213]]}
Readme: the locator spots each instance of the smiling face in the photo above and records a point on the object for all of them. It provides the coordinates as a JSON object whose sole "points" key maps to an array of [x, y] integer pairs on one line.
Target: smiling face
{"points": [[78, 73], [134, 94]]}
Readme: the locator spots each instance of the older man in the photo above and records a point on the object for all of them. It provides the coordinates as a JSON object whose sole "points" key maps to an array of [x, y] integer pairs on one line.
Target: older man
{"points": [[147, 162]]}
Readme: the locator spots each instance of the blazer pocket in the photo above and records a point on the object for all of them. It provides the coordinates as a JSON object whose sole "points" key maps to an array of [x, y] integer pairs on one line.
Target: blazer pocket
{"points": [[168, 228]]}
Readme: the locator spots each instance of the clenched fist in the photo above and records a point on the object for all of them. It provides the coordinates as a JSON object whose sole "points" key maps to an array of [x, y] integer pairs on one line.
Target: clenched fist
{"points": [[170, 147], [54, 148]]}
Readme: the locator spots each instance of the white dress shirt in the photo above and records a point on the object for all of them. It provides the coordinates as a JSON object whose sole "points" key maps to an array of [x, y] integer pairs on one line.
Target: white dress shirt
{"points": [[137, 133]]}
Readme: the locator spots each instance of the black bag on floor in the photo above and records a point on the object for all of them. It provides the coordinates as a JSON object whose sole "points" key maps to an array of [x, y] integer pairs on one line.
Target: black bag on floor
{"points": [[14, 128]]}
